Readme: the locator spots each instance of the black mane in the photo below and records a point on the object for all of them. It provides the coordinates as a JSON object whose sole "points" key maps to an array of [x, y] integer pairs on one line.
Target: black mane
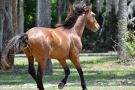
{"points": [[73, 17]]}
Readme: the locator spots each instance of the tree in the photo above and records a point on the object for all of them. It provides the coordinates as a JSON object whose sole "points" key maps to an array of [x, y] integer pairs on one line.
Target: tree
{"points": [[59, 11], [44, 20], [122, 28], [1, 26], [20, 17], [9, 23], [8, 31], [14, 14], [107, 17], [17, 16]]}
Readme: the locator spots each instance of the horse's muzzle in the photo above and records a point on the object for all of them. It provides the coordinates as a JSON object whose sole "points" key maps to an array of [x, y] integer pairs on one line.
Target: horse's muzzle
{"points": [[97, 27]]}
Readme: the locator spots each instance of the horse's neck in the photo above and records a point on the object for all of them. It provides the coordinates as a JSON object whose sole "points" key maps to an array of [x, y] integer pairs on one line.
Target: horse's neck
{"points": [[80, 25]]}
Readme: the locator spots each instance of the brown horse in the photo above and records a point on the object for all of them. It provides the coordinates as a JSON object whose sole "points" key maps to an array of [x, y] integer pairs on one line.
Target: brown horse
{"points": [[61, 43]]}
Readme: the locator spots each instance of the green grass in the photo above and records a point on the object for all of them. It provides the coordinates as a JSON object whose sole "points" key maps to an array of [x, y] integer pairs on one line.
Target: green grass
{"points": [[101, 73]]}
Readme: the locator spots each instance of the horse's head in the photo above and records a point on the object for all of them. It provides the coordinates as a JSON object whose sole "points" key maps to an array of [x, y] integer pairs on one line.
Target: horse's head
{"points": [[81, 7], [91, 22]]}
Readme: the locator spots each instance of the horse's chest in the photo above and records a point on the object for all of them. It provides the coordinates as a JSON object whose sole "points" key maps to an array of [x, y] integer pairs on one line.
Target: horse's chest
{"points": [[76, 43]]}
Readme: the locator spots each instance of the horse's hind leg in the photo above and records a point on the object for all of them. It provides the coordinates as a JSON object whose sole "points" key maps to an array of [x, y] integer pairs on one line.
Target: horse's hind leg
{"points": [[67, 72], [40, 72], [40, 76], [31, 68]]}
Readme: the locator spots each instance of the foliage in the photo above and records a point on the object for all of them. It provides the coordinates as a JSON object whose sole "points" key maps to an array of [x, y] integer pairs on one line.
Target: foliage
{"points": [[53, 14], [131, 43], [90, 40], [30, 14]]}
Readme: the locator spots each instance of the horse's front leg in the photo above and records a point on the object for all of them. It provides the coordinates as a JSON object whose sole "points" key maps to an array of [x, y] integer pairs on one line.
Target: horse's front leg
{"points": [[31, 70], [75, 60], [79, 69], [67, 72]]}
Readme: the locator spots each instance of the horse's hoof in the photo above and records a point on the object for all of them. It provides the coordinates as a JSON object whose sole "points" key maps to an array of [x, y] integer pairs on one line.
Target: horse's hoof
{"points": [[61, 85]]}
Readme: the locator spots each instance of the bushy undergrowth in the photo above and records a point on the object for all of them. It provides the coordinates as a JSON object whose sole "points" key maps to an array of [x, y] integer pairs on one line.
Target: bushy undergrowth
{"points": [[131, 43]]}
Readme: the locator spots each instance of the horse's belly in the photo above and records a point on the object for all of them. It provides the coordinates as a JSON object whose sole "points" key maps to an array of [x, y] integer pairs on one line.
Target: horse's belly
{"points": [[59, 54]]}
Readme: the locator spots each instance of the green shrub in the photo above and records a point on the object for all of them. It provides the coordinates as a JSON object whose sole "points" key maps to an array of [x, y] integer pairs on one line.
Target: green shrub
{"points": [[131, 43]]}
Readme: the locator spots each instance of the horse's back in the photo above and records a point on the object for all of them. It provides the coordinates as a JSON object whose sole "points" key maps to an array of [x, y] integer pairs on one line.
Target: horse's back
{"points": [[49, 42]]}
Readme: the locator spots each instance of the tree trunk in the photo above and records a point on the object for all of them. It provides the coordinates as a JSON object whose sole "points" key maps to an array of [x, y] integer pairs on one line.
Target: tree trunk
{"points": [[44, 20], [1, 31], [43, 13], [14, 13], [59, 11], [8, 32], [1, 26], [122, 28], [20, 17]]}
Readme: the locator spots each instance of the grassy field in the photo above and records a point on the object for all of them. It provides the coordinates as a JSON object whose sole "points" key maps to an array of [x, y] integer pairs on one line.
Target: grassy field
{"points": [[101, 73]]}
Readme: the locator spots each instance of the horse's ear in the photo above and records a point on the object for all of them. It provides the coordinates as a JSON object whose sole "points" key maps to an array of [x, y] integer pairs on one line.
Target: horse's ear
{"points": [[90, 6]]}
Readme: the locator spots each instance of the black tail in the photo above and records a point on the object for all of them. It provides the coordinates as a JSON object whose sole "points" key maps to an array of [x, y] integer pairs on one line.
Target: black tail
{"points": [[14, 45], [17, 43]]}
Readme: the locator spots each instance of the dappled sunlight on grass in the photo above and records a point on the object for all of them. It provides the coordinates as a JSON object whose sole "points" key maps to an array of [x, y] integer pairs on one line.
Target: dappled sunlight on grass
{"points": [[98, 71]]}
